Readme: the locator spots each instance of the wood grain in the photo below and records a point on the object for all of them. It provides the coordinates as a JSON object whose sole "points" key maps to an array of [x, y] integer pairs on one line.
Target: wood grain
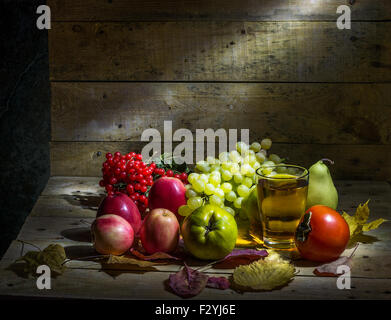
{"points": [[89, 284], [360, 162], [220, 51], [247, 10], [288, 112]]}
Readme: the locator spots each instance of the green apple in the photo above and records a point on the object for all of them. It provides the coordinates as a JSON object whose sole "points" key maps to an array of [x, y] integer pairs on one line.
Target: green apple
{"points": [[209, 233]]}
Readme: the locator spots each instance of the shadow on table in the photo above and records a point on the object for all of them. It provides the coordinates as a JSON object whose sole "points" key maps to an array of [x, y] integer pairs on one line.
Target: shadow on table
{"points": [[90, 201], [81, 234]]}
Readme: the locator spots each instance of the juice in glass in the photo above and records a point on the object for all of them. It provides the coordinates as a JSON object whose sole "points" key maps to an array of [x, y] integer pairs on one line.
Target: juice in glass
{"points": [[282, 194]]}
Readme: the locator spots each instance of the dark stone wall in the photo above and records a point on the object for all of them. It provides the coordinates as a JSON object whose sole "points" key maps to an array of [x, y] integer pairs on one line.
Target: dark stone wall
{"points": [[24, 114]]}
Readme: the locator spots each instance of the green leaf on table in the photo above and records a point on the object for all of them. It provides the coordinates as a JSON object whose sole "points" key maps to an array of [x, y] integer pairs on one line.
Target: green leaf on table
{"points": [[53, 256]]}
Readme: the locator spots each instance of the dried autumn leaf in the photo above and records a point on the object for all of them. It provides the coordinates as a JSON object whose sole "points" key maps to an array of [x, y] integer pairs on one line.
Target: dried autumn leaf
{"points": [[187, 282], [154, 256], [221, 283], [330, 269], [126, 260], [240, 257], [53, 256], [358, 222], [267, 274]]}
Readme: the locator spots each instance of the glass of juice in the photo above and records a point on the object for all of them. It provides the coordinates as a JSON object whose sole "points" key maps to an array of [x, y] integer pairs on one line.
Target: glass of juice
{"points": [[282, 195]]}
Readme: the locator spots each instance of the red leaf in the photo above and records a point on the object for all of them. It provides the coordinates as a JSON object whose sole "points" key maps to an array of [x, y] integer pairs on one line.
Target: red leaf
{"points": [[221, 283], [154, 256], [187, 282], [240, 257], [330, 269]]}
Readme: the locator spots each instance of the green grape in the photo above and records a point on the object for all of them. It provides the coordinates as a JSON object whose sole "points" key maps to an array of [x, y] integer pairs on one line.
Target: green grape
{"points": [[230, 196], [266, 144], [271, 174], [210, 160], [203, 166], [194, 203], [184, 210], [256, 165], [281, 168], [214, 168], [190, 193], [292, 171], [275, 158], [245, 169], [209, 189], [238, 203], [215, 200], [230, 210], [224, 156], [226, 165], [252, 160], [266, 171], [215, 178], [255, 146], [234, 156], [268, 164], [226, 175], [226, 187], [204, 178], [193, 177], [260, 156], [188, 186], [234, 168], [238, 178], [219, 192], [248, 182], [242, 147], [199, 186], [243, 191], [250, 172]]}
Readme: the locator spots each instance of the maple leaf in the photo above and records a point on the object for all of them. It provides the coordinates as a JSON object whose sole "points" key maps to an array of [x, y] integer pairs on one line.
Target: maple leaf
{"points": [[358, 222]]}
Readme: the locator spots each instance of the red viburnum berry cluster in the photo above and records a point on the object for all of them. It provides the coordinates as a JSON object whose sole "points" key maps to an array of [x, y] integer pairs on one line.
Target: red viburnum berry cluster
{"points": [[130, 175]]}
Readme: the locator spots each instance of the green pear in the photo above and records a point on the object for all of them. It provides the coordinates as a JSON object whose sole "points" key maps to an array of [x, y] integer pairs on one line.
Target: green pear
{"points": [[321, 189]]}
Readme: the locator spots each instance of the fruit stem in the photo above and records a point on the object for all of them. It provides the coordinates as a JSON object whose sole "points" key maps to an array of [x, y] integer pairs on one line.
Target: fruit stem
{"points": [[328, 160]]}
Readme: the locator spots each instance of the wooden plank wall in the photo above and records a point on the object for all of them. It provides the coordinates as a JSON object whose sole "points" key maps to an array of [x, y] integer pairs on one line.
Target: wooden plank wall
{"points": [[280, 68]]}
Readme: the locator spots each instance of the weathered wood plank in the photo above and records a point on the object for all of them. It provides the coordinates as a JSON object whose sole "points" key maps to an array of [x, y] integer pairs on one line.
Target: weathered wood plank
{"points": [[370, 260], [290, 112], [220, 51], [77, 283], [247, 10], [361, 162]]}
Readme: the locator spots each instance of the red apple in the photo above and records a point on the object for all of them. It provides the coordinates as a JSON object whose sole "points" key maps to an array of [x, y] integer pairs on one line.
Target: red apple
{"points": [[112, 234], [160, 231], [121, 205], [167, 193]]}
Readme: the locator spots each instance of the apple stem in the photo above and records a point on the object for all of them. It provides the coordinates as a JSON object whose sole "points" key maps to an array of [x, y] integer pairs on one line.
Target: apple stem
{"points": [[327, 160]]}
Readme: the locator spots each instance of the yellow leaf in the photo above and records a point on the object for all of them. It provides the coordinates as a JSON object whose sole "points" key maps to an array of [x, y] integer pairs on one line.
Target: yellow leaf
{"points": [[264, 274], [358, 222]]}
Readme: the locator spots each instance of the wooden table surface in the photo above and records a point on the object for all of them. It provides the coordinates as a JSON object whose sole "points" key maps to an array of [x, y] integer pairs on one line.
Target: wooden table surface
{"points": [[66, 206]]}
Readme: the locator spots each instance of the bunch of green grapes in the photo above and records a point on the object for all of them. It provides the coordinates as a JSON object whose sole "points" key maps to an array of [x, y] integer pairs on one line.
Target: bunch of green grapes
{"points": [[226, 181]]}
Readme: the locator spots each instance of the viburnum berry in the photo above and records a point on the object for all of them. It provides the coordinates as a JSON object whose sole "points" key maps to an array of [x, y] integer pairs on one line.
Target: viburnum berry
{"points": [[169, 173]]}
